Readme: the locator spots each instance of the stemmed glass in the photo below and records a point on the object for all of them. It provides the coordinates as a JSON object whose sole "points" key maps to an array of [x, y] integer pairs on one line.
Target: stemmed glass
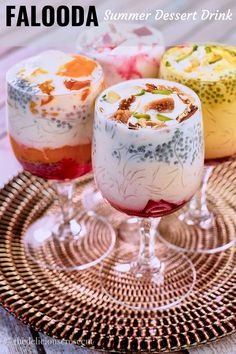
{"points": [[125, 52], [218, 98], [147, 173], [50, 117]]}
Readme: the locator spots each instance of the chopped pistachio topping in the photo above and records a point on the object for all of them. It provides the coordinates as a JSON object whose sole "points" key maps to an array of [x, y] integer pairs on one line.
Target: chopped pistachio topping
{"points": [[163, 118], [194, 48], [142, 115], [208, 49], [141, 93], [162, 92]]}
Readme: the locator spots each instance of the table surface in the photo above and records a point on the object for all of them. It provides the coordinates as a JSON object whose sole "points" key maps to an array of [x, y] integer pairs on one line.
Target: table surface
{"points": [[14, 336]]}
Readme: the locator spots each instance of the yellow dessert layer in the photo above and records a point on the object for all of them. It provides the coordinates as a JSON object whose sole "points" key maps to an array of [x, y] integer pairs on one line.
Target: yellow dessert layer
{"points": [[218, 97]]}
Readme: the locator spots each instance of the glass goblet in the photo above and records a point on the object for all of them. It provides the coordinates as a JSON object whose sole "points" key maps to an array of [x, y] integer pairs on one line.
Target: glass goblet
{"points": [[147, 173], [50, 118], [210, 70], [125, 51]]}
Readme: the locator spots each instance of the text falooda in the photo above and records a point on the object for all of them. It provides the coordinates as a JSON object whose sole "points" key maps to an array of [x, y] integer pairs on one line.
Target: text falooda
{"points": [[23, 16]]}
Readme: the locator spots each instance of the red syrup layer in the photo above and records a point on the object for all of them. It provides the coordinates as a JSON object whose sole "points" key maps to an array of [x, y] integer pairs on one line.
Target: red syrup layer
{"points": [[66, 162], [61, 170], [152, 209]]}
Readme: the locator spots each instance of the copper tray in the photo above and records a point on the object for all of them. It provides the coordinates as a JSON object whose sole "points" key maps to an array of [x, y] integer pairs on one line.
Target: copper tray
{"points": [[71, 305]]}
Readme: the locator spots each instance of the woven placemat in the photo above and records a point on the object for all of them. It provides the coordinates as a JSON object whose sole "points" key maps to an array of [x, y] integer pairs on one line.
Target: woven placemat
{"points": [[72, 306]]}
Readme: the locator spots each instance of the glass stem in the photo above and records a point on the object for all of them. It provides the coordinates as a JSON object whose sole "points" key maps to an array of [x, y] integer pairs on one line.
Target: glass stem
{"points": [[69, 226], [198, 205], [65, 191], [148, 263]]}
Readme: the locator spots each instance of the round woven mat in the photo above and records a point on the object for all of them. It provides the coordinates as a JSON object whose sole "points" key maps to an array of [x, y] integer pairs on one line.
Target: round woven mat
{"points": [[72, 306]]}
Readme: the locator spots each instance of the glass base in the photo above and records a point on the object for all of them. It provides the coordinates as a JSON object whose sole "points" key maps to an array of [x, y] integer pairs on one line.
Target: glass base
{"points": [[84, 242], [204, 220], [186, 236], [169, 281]]}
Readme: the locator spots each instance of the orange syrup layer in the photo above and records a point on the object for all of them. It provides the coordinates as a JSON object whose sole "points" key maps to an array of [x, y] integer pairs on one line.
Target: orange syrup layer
{"points": [[78, 67], [79, 153]]}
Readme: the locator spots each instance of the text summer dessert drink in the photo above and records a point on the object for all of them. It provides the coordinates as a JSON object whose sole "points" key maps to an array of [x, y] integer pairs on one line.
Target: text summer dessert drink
{"points": [[125, 51], [50, 113], [210, 70], [50, 117], [148, 160], [153, 157]]}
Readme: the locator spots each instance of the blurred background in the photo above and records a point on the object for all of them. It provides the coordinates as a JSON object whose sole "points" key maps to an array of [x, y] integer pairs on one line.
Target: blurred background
{"points": [[174, 31]]}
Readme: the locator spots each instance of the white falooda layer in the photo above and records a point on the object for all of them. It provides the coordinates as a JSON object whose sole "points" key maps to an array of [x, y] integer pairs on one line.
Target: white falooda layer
{"points": [[72, 127], [133, 167], [61, 117], [42, 133]]}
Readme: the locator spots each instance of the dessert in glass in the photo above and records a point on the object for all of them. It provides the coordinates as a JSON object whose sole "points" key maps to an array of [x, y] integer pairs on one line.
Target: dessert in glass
{"points": [[50, 120], [210, 70], [125, 51], [148, 158]]}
